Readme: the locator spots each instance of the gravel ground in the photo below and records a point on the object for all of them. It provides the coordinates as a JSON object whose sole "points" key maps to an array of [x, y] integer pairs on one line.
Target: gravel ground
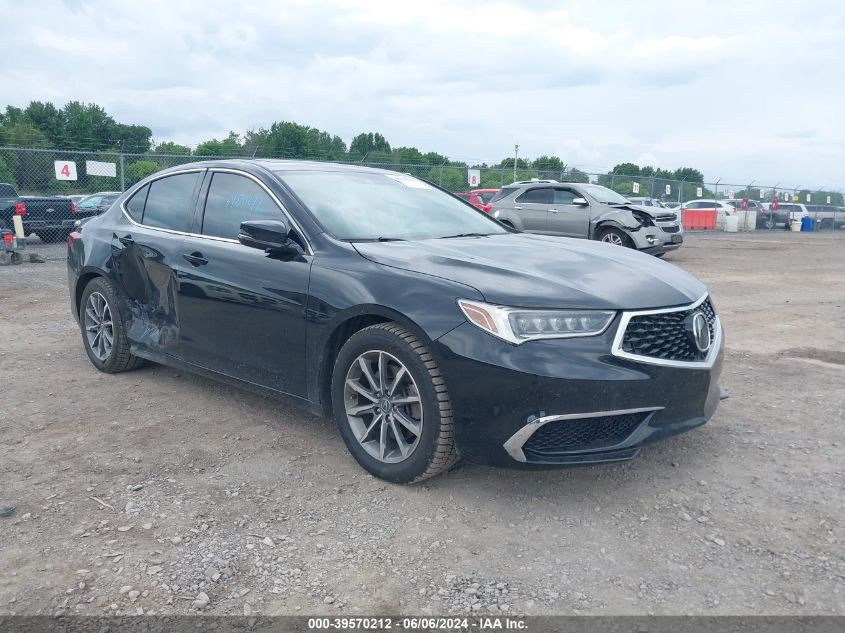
{"points": [[160, 492]]}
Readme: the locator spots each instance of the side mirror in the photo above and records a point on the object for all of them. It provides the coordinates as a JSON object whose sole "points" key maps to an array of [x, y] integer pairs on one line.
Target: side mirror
{"points": [[581, 202], [267, 235]]}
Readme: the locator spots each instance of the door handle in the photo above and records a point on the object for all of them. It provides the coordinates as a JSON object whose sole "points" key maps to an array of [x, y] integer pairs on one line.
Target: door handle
{"points": [[195, 259], [126, 240], [554, 210], [518, 208]]}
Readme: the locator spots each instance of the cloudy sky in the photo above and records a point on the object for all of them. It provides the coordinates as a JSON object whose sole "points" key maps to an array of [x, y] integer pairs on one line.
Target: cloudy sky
{"points": [[739, 89]]}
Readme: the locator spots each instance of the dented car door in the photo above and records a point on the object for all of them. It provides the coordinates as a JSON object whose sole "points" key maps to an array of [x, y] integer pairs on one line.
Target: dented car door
{"points": [[145, 251]]}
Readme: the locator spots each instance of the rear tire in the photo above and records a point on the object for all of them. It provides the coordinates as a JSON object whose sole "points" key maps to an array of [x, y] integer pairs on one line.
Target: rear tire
{"points": [[103, 334], [616, 237], [391, 405]]}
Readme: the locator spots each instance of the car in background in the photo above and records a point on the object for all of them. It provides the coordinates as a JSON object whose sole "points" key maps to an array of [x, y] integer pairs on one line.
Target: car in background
{"points": [[785, 213], [51, 218], [672, 205], [721, 207], [427, 329], [751, 205], [486, 195], [475, 199], [95, 204], [648, 202], [827, 217], [586, 211], [77, 197]]}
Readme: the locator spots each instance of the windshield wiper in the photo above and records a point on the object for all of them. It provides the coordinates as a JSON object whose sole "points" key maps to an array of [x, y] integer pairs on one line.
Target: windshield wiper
{"points": [[377, 239], [446, 237]]}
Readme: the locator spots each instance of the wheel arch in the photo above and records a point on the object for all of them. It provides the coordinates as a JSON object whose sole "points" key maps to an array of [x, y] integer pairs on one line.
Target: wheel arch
{"points": [[82, 281], [345, 325]]}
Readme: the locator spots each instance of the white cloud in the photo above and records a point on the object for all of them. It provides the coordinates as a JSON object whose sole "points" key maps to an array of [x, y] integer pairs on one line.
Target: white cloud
{"points": [[741, 90]]}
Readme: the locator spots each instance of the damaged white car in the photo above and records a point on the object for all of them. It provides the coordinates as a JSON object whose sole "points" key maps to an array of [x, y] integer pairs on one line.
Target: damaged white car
{"points": [[587, 211]]}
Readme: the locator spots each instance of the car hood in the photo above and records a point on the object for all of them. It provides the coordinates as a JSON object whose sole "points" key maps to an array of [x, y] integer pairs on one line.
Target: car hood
{"points": [[526, 270]]}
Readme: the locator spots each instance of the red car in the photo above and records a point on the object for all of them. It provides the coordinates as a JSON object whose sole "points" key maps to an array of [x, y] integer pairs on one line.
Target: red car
{"points": [[479, 198]]}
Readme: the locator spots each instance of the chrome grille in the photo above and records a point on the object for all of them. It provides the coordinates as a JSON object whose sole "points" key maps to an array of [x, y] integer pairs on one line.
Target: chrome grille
{"points": [[664, 335]]}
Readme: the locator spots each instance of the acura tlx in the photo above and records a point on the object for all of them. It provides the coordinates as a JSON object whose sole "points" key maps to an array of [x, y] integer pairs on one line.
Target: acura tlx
{"points": [[428, 330]]}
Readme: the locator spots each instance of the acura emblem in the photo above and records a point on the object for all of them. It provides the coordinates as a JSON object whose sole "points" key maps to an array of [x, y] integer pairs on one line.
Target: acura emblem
{"points": [[700, 332]]}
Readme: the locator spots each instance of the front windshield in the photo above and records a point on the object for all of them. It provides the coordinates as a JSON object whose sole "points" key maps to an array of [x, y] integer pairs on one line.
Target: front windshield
{"points": [[603, 194], [383, 205]]}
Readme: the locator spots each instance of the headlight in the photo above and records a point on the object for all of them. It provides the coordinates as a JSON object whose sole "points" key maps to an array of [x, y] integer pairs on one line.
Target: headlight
{"points": [[517, 325]]}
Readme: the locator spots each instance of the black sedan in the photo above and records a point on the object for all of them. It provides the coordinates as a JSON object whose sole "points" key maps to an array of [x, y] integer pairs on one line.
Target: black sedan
{"points": [[427, 329]]}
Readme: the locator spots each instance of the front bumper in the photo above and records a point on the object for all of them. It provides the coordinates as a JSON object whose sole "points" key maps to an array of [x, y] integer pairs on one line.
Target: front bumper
{"points": [[658, 239], [502, 394]]}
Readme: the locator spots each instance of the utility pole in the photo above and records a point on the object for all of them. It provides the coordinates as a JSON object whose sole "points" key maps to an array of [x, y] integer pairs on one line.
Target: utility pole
{"points": [[515, 157]]}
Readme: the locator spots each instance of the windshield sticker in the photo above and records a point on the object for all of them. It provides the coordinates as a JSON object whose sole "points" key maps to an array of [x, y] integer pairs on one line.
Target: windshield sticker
{"points": [[409, 181]]}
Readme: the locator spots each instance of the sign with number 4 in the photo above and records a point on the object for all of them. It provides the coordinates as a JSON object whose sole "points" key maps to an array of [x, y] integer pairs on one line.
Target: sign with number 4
{"points": [[65, 169]]}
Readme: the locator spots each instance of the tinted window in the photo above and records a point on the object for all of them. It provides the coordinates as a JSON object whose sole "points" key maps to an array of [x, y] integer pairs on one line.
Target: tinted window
{"points": [[135, 206], [487, 196], [564, 196], [231, 200], [8, 191], [503, 193], [170, 203], [538, 195]]}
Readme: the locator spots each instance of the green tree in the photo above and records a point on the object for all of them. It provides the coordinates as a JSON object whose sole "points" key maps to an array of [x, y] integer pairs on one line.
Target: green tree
{"points": [[547, 163], [139, 170], [367, 143], [171, 148], [229, 146]]}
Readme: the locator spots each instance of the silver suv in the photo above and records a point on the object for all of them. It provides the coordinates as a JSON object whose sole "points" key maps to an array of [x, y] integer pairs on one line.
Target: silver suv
{"points": [[587, 211]]}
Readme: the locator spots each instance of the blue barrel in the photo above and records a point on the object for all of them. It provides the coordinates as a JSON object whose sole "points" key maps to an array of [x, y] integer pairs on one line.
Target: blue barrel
{"points": [[808, 224]]}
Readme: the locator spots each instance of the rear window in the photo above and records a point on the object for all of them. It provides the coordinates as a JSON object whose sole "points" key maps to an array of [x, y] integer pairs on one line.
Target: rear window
{"points": [[135, 206], [170, 202], [539, 195], [503, 193], [463, 196], [487, 196], [8, 191]]}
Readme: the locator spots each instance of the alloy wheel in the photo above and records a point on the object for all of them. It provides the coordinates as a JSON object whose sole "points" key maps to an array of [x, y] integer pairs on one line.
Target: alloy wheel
{"points": [[383, 406], [99, 329], [612, 238]]}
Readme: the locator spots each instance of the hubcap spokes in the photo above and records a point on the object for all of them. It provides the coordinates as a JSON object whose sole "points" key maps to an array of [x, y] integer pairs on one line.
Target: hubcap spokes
{"points": [[383, 406], [99, 329], [612, 238]]}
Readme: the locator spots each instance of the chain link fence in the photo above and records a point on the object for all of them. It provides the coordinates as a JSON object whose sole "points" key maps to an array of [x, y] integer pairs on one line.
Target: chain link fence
{"points": [[51, 188]]}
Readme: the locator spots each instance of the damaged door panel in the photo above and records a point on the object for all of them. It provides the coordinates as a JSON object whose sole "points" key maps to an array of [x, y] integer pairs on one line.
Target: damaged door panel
{"points": [[146, 245], [143, 263]]}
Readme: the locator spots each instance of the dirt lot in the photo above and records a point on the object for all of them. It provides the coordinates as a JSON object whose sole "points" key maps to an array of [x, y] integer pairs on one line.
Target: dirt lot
{"points": [[157, 491]]}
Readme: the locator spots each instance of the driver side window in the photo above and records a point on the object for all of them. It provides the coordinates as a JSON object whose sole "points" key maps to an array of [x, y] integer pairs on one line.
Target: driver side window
{"points": [[564, 196], [233, 199]]}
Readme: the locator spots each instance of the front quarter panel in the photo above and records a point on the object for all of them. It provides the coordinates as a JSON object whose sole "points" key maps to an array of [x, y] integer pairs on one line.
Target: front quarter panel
{"points": [[344, 285]]}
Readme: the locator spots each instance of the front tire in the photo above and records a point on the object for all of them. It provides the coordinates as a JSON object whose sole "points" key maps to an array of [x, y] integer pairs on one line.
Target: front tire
{"points": [[391, 405], [103, 334], [615, 236]]}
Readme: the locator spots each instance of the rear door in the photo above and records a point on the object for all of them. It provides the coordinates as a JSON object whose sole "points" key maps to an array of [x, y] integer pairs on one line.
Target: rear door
{"points": [[566, 218], [532, 209], [242, 310], [145, 251]]}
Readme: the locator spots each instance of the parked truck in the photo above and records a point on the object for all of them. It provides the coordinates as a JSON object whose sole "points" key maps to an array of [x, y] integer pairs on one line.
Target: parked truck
{"points": [[51, 218]]}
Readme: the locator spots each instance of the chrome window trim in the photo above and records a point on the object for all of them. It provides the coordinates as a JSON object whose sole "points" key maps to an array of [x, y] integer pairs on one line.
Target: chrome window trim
{"points": [[707, 363], [215, 238], [514, 444]]}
